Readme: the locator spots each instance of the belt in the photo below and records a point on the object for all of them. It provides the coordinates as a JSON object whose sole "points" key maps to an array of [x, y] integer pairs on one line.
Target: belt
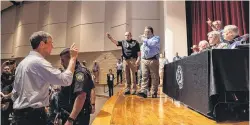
{"points": [[151, 58], [30, 109], [130, 58]]}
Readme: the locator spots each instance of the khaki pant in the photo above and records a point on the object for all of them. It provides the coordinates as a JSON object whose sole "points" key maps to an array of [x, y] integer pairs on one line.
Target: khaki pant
{"points": [[129, 65], [150, 67], [161, 76], [96, 74]]}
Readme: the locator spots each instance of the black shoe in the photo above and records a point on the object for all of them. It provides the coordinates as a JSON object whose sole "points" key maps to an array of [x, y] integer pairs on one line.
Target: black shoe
{"points": [[154, 96], [141, 94], [133, 92], [127, 93]]}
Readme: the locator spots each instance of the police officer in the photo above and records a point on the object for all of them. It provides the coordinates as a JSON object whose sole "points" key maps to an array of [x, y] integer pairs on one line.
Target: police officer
{"points": [[74, 100]]}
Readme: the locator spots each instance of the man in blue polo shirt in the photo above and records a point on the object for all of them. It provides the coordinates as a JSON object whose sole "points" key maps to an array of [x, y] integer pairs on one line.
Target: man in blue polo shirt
{"points": [[150, 50]]}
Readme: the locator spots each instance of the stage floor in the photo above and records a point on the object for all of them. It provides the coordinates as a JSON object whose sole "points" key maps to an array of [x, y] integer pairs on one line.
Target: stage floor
{"points": [[134, 110]]}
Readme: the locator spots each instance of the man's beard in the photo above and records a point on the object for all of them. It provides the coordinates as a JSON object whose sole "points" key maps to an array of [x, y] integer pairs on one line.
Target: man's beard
{"points": [[6, 74]]}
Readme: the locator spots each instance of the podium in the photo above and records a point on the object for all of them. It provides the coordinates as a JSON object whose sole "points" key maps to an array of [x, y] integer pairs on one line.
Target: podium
{"points": [[214, 83]]}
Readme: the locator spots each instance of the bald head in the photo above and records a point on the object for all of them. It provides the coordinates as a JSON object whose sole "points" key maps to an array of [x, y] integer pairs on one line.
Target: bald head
{"points": [[128, 35]]}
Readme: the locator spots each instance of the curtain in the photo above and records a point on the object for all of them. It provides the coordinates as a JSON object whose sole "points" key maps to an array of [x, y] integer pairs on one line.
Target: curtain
{"points": [[229, 12]]}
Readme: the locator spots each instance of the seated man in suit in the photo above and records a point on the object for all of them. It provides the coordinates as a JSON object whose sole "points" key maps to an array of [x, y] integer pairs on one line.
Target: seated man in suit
{"points": [[231, 34]]}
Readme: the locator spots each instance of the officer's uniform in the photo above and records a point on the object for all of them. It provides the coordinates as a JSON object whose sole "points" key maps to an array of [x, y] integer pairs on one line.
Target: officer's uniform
{"points": [[82, 82]]}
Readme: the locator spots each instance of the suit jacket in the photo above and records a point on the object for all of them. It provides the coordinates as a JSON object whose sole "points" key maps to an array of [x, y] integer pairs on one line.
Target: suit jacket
{"points": [[108, 78]]}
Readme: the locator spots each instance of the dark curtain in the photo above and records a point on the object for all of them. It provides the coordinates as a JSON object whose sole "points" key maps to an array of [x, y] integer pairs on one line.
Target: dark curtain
{"points": [[229, 12]]}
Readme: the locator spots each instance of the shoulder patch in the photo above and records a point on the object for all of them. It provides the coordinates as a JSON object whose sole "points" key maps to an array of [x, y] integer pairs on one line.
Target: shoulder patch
{"points": [[79, 77]]}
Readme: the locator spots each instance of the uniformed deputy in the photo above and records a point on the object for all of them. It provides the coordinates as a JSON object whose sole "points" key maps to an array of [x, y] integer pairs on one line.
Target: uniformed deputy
{"points": [[131, 54], [74, 100], [34, 75]]}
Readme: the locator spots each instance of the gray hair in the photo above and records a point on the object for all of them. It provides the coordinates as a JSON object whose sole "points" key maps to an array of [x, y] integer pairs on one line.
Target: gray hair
{"points": [[214, 33], [203, 42], [232, 28], [37, 37]]}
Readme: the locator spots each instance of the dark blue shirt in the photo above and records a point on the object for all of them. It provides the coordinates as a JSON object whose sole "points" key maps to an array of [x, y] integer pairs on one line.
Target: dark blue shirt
{"points": [[82, 82]]}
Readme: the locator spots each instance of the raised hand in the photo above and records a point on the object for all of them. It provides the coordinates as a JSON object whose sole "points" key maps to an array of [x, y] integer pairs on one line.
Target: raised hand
{"points": [[108, 35], [73, 51]]}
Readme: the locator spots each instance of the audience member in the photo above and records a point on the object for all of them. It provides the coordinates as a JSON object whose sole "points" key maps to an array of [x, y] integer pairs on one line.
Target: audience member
{"points": [[119, 68], [110, 82], [162, 62], [84, 63], [177, 57], [7, 79], [33, 77], [96, 71], [54, 106]]}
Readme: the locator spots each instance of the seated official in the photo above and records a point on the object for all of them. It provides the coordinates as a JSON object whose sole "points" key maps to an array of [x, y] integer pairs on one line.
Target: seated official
{"points": [[214, 40], [244, 39], [203, 46], [195, 49], [231, 34]]}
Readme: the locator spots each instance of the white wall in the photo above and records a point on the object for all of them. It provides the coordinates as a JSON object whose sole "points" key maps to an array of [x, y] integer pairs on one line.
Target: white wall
{"points": [[85, 23], [175, 29]]}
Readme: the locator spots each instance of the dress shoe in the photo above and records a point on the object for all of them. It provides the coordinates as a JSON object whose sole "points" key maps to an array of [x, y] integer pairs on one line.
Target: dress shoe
{"points": [[154, 95], [141, 94], [127, 93], [133, 92]]}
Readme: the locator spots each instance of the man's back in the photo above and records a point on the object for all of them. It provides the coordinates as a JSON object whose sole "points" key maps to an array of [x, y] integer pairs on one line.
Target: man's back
{"points": [[27, 80]]}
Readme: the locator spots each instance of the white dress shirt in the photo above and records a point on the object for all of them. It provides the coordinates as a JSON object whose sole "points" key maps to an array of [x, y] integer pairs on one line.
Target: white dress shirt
{"points": [[33, 77], [111, 77], [119, 66]]}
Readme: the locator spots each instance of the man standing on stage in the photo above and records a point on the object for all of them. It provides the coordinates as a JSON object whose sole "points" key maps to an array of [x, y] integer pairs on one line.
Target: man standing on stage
{"points": [[131, 55], [33, 77], [150, 50]]}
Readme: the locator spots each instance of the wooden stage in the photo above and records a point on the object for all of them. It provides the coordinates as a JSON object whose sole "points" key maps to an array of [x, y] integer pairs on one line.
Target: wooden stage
{"points": [[134, 110]]}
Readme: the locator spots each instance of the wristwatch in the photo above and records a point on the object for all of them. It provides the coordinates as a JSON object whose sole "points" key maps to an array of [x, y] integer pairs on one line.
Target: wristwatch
{"points": [[71, 120]]}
